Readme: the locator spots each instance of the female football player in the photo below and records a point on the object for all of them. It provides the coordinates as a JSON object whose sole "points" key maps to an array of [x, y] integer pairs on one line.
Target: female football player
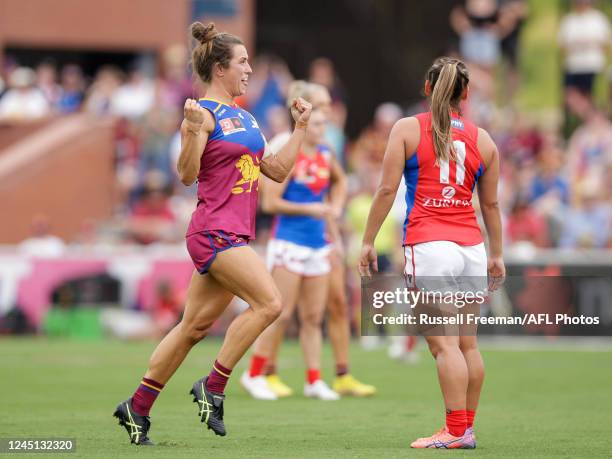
{"points": [[262, 380], [223, 148], [443, 156]]}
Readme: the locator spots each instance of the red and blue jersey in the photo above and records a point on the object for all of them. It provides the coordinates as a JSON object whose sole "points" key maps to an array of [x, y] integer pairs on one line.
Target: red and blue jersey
{"points": [[228, 180], [439, 197], [308, 183]]}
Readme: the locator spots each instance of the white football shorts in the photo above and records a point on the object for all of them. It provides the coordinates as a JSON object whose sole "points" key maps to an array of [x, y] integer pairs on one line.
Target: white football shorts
{"points": [[436, 264], [298, 259]]}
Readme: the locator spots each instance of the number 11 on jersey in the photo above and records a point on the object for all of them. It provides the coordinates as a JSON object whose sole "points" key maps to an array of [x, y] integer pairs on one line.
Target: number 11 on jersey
{"points": [[460, 162]]}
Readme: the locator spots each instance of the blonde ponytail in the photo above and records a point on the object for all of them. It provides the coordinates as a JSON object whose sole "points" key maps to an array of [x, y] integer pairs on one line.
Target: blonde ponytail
{"points": [[447, 78], [441, 98]]}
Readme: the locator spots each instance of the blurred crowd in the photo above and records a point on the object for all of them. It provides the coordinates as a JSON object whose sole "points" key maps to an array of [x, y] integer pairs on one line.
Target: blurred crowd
{"points": [[556, 181]]}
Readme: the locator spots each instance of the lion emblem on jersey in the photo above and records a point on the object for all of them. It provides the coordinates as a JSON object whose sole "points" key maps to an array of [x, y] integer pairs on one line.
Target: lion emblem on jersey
{"points": [[250, 174]]}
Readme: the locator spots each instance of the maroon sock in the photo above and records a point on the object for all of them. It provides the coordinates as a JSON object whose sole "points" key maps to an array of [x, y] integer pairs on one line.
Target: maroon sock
{"points": [[217, 378], [145, 396], [341, 369], [270, 369]]}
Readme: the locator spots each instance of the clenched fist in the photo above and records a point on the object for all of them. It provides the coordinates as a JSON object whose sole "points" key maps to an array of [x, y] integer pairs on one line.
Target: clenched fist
{"points": [[194, 114], [301, 110]]}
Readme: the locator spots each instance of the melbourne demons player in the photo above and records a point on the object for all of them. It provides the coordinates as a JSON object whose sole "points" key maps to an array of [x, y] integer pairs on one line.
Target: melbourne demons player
{"points": [[301, 237], [442, 157], [221, 146], [298, 256]]}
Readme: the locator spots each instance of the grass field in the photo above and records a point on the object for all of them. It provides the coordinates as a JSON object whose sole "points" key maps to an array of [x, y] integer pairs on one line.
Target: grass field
{"points": [[535, 404]]}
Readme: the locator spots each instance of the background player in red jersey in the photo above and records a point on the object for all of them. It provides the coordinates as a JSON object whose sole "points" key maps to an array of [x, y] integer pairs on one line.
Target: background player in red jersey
{"points": [[221, 146], [442, 157]]}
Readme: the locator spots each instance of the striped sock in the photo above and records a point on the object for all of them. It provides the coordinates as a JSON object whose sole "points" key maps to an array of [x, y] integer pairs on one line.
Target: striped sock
{"points": [[218, 377], [145, 396]]}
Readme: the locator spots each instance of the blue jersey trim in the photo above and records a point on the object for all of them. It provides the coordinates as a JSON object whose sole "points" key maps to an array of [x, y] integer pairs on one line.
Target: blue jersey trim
{"points": [[411, 176], [212, 106], [477, 176]]}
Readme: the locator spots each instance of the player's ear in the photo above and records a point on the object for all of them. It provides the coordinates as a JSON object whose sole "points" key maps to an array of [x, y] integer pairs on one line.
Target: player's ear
{"points": [[219, 70], [427, 88], [465, 93]]}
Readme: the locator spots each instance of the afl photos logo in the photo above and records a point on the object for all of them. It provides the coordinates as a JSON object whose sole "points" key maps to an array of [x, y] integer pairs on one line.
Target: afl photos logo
{"points": [[448, 192]]}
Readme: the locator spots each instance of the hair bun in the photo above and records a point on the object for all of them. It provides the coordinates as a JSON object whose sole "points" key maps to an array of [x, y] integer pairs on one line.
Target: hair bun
{"points": [[203, 33]]}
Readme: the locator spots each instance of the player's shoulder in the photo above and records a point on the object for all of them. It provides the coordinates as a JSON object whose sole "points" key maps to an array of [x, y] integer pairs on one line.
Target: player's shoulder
{"points": [[407, 125], [486, 145], [210, 104], [484, 137], [408, 131]]}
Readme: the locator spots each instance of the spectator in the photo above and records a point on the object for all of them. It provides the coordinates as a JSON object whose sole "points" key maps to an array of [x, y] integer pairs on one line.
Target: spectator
{"points": [[549, 182], [477, 24], [267, 88], [155, 131], [590, 146], [100, 93], [167, 307], [369, 149], [584, 37], [526, 226], [135, 97], [23, 100], [72, 89], [42, 243], [152, 219], [513, 14], [175, 86], [46, 80], [588, 225], [323, 72]]}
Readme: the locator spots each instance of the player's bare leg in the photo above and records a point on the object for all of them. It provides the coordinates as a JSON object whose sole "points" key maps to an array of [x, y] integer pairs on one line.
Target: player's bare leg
{"points": [[453, 378], [338, 328], [311, 307], [452, 370], [268, 344], [337, 319], [257, 381], [476, 373], [241, 271], [206, 301]]}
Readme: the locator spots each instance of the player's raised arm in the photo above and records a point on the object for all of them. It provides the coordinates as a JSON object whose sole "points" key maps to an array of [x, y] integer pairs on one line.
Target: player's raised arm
{"points": [[393, 164], [487, 195], [277, 166], [195, 128]]}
